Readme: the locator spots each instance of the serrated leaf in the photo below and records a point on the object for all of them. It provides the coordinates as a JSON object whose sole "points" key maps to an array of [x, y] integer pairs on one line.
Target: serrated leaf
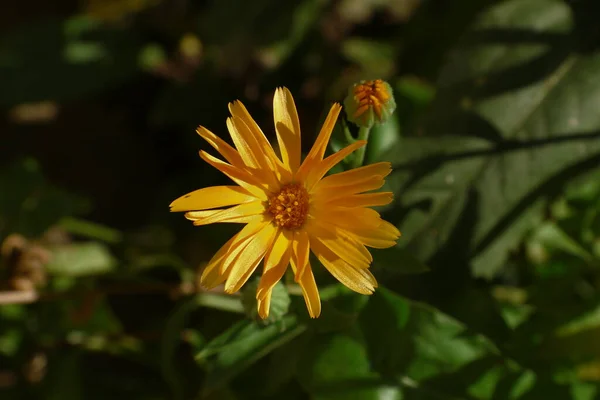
{"points": [[516, 83], [415, 340]]}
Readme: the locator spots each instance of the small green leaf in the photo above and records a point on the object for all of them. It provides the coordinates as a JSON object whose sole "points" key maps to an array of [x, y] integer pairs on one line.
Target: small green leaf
{"points": [[81, 259], [90, 230], [553, 237]]}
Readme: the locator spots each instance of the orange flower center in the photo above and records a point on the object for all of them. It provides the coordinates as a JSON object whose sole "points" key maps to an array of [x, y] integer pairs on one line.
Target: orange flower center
{"points": [[370, 94], [289, 207]]}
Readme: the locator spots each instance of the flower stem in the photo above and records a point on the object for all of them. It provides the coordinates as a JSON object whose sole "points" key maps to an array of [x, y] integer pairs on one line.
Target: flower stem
{"points": [[359, 157]]}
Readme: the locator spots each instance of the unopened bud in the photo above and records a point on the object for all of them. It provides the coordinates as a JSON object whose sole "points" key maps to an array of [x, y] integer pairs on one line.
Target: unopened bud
{"points": [[369, 102]]}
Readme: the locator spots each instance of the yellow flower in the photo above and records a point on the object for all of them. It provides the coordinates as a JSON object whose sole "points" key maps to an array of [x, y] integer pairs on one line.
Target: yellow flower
{"points": [[289, 207]]}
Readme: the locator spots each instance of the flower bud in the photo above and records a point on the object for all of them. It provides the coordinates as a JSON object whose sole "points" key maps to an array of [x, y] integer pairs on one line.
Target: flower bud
{"points": [[369, 102]]}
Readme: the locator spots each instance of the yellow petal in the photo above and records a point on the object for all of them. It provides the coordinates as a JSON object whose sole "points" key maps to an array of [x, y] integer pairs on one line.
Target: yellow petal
{"points": [[264, 305], [362, 200], [354, 181], [343, 246], [382, 237], [238, 175], [316, 173], [242, 239], [228, 152], [389, 228], [251, 152], [301, 251], [241, 144], [357, 279], [287, 127], [238, 110], [354, 219], [249, 258], [235, 214], [211, 275], [365, 173], [317, 152], [212, 197], [309, 288], [376, 243], [240, 219], [277, 260], [325, 195]]}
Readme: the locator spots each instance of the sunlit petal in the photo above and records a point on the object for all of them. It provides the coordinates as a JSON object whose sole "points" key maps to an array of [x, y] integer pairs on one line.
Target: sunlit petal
{"points": [[309, 288], [212, 197], [276, 262], [237, 214], [324, 166], [287, 127], [357, 279], [318, 150], [248, 259]]}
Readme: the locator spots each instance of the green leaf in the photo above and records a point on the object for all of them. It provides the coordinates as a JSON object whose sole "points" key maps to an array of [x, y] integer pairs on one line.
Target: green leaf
{"points": [[81, 259], [384, 321], [336, 366], [406, 337], [242, 345], [91, 230], [511, 85], [553, 237]]}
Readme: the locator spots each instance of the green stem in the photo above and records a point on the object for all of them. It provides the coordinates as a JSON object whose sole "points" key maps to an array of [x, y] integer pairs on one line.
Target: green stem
{"points": [[220, 302], [359, 156]]}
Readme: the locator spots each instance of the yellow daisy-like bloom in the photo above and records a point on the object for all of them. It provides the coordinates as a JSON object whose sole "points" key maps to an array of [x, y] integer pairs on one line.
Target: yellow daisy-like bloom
{"points": [[289, 207]]}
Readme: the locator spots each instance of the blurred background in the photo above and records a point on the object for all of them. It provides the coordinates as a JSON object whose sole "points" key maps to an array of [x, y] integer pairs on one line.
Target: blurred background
{"points": [[492, 293]]}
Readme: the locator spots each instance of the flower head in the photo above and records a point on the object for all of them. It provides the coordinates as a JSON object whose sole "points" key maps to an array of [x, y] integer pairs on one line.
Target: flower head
{"points": [[369, 102], [289, 207]]}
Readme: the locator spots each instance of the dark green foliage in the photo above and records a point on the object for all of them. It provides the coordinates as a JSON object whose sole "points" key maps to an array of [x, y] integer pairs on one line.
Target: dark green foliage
{"points": [[492, 292]]}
